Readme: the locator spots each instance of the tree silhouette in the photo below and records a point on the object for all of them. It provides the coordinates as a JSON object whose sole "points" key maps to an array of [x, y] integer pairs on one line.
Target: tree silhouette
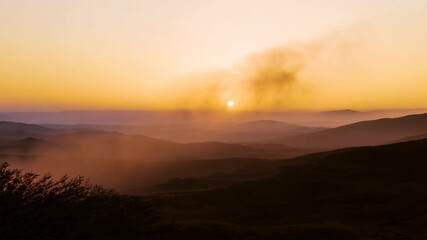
{"points": [[40, 207]]}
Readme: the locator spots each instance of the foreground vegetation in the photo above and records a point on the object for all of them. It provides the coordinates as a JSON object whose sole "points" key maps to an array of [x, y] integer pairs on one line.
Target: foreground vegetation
{"points": [[40, 207]]}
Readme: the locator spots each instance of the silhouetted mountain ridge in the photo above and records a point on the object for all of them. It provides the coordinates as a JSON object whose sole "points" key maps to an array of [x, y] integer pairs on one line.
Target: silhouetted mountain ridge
{"points": [[356, 193], [14, 126], [374, 132]]}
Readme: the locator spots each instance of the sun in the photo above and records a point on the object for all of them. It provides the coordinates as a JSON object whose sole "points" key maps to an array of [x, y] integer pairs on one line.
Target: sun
{"points": [[230, 104]]}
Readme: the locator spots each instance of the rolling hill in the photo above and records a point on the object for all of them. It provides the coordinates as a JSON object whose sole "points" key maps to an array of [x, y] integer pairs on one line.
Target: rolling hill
{"points": [[357, 193], [259, 131], [375, 132], [411, 138], [14, 130], [135, 161], [13, 126], [143, 147]]}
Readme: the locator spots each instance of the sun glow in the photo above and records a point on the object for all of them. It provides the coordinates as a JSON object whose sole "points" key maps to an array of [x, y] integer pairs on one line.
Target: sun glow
{"points": [[230, 104]]}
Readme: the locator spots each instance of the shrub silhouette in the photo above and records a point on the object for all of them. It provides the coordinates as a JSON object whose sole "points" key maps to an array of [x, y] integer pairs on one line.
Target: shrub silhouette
{"points": [[40, 207]]}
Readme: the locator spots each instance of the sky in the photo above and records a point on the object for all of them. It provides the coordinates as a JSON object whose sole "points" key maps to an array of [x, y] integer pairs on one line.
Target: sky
{"points": [[200, 54]]}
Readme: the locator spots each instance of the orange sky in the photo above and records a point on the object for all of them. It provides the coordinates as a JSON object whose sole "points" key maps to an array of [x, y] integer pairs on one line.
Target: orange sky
{"points": [[199, 54]]}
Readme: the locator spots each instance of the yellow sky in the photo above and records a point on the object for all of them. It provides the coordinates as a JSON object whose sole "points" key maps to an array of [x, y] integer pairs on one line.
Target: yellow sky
{"points": [[199, 54]]}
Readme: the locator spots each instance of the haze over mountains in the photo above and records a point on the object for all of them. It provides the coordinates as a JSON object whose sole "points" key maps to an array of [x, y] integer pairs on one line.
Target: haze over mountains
{"points": [[372, 132], [141, 161], [246, 132], [261, 179], [116, 159], [116, 117]]}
